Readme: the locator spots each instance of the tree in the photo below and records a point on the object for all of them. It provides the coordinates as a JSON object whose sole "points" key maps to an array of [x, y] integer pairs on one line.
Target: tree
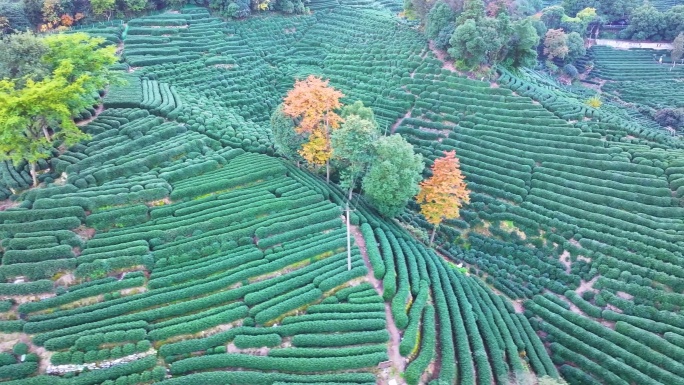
{"points": [[552, 16], [555, 44], [37, 114], [674, 22], [103, 7], [21, 55], [393, 176], [614, 10], [467, 44], [472, 10], [677, 52], [645, 23], [353, 146], [573, 7], [313, 103], [285, 140], [443, 194], [576, 48], [439, 17], [28, 114], [357, 108], [523, 45], [87, 56]]}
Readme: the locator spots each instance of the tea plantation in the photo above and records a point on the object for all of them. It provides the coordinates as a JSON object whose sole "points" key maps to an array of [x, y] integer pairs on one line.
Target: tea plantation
{"points": [[174, 247]]}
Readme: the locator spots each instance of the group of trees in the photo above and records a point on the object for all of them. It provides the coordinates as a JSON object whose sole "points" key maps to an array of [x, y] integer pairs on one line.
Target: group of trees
{"points": [[45, 82], [474, 33], [44, 15], [306, 127]]}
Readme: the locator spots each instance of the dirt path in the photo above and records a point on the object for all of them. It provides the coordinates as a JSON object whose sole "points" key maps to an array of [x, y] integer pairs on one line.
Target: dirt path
{"points": [[400, 120], [442, 56], [98, 110], [398, 362]]}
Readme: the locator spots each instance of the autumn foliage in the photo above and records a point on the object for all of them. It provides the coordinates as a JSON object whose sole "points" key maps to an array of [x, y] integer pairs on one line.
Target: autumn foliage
{"points": [[312, 103], [442, 195]]}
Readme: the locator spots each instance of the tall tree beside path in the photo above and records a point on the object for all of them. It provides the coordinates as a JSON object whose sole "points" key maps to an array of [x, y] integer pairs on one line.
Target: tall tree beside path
{"points": [[393, 176], [312, 103], [36, 111], [353, 147], [443, 194], [677, 52]]}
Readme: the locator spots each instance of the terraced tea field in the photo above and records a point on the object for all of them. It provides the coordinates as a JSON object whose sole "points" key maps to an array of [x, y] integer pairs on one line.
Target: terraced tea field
{"points": [[173, 247]]}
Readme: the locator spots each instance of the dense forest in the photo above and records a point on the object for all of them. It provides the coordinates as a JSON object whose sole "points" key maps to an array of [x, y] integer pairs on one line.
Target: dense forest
{"points": [[341, 192]]}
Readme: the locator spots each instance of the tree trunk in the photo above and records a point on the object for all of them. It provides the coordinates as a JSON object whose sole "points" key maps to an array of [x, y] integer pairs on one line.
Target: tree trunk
{"points": [[46, 133], [327, 171], [34, 174], [351, 193], [348, 239], [432, 236]]}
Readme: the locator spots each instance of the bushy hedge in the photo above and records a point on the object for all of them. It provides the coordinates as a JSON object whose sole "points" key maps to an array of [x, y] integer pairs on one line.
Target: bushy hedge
{"points": [[244, 341], [289, 364], [415, 369]]}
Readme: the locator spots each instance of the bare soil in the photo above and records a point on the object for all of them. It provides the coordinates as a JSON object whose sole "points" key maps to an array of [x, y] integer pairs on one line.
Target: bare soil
{"points": [[398, 362]]}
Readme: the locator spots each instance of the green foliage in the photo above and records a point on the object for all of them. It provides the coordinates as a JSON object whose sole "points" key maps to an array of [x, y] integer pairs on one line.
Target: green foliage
{"points": [[357, 108], [285, 140], [523, 45], [439, 17], [352, 147], [394, 175], [21, 56]]}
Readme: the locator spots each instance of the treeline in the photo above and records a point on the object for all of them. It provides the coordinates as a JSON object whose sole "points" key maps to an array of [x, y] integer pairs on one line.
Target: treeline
{"points": [[516, 34], [45, 15]]}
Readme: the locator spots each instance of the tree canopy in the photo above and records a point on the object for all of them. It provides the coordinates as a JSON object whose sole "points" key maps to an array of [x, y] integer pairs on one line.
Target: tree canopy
{"points": [[393, 176], [38, 103], [443, 194], [312, 103]]}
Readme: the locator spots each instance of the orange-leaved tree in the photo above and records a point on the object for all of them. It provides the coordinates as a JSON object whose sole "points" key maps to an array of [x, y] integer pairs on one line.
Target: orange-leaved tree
{"points": [[312, 103], [443, 194]]}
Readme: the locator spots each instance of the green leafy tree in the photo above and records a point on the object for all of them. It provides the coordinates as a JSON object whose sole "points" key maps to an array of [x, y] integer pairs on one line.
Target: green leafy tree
{"points": [[286, 141], [393, 176], [576, 48], [674, 22], [87, 56], [613, 10], [103, 7], [467, 44], [34, 11], [357, 108], [35, 117], [645, 23], [572, 7], [472, 10], [552, 16], [38, 113], [21, 55], [136, 5], [352, 147], [439, 17], [523, 45], [677, 52]]}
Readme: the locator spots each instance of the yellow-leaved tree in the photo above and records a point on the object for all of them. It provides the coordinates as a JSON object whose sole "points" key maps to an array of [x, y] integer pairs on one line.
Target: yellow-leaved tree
{"points": [[312, 103], [443, 194]]}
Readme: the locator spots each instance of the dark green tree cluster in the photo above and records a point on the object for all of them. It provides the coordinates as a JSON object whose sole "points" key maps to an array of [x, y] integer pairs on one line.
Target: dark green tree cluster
{"points": [[648, 23], [477, 34]]}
